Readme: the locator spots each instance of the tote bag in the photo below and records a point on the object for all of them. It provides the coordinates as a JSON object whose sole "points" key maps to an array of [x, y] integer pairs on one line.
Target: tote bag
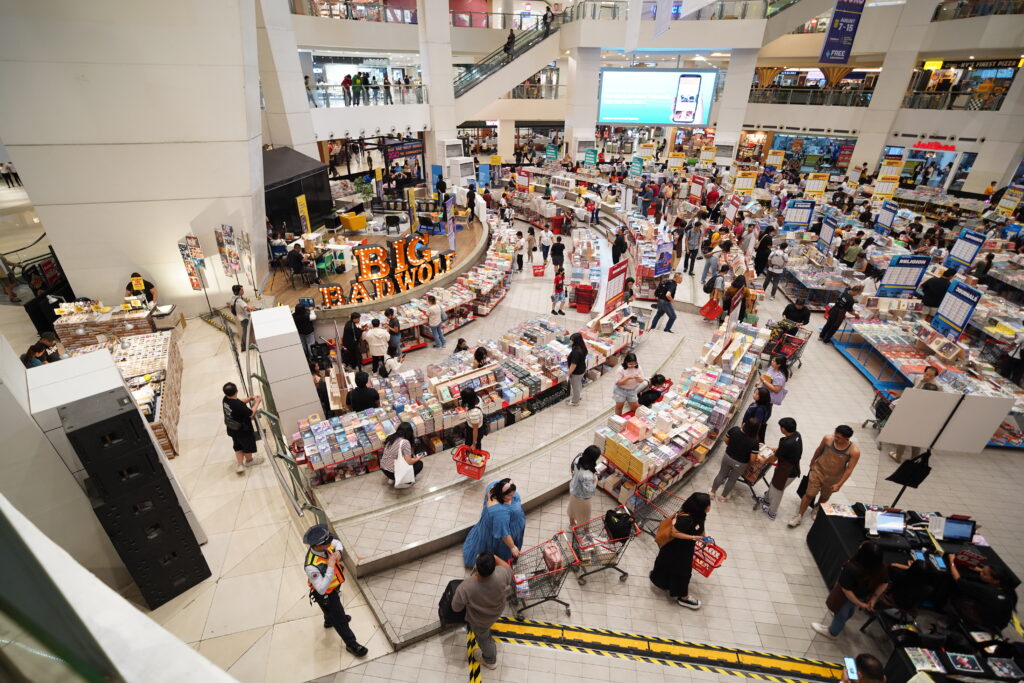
{"points": [[405, 476]]}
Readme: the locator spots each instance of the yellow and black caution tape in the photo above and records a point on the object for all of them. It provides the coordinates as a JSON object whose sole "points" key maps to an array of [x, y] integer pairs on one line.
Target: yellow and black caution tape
{"points": [[474, 664], [766, 666]]}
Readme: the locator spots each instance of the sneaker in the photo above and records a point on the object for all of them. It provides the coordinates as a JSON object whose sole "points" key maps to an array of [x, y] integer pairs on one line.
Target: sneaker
{"points": [[239, 468], [357, 649], [255, 461], [561, 313], [795, 521], [489, 665], [821, 629], [767, 510], [691, 603], [554, 312]]}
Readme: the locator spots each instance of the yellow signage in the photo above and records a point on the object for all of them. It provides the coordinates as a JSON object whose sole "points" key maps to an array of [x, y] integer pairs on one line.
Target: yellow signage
{"points": [[708, 153], [933, 64], [495, 160], [816, 184], [776, 158], [138, 284], [304, 223]]}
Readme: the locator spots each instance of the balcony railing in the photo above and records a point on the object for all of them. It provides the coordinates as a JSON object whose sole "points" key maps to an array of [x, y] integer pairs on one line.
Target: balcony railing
{"points": [[536, 92], [339, 9], [496, 20], [616, 10], [368, 96], [812, 96], [922, 99], [964, 9]]}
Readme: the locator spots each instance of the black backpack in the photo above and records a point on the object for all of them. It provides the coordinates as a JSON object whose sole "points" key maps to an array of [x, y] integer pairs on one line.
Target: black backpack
{"points": [[618, 523], [709, 286], [444, 605]]}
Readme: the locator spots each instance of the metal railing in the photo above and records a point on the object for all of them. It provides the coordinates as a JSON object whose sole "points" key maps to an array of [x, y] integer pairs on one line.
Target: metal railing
{"points": [[617, 10], [965, 9], [923, 99], [340, 9], [476, 73], [331, 95], [536, 92], [812, 96], [498, 20]]}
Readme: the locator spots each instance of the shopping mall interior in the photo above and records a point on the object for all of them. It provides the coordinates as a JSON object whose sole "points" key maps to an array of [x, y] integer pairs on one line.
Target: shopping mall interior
{"points": [[508, 340]]}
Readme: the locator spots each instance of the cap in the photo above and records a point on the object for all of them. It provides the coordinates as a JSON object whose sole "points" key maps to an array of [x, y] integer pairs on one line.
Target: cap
{"points": [[317, 534]]}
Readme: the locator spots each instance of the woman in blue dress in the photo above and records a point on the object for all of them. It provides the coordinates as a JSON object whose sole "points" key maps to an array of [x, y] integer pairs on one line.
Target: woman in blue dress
{"points": [[501, 526]]}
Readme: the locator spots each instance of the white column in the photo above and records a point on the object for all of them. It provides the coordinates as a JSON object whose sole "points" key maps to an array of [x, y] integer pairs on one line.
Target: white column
{"points": [[289, 123], [582, 79], [1001, 152], [151, 136], [732, 108], [892, 83], [507, 140], [286, 367], [436, 63]]}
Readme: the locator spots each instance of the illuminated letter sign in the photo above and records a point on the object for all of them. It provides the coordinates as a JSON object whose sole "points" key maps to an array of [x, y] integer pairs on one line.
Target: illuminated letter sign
{"points": [[385, 271]]}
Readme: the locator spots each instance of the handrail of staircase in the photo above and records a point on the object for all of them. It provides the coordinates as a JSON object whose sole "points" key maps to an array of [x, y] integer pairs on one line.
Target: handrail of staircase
{"points": [[495, 60]]}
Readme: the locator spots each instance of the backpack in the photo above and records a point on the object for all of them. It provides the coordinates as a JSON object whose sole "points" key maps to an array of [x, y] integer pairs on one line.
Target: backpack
{"points": [[662, 290], [444, 605], [709, 286], [619, 524]]}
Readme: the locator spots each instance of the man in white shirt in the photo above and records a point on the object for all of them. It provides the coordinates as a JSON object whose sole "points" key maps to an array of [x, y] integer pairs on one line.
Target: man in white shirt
{"points": [[547, 238], [377, 339], [777, 260], [434, 320], [325, 576]]}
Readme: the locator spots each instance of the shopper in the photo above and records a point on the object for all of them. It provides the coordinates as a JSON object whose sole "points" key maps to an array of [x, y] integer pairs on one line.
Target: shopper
{"points": [[577, 363], [501, 526], [346, 89], [480, 357], [691, 239], [387, 90], [377, 340], [241, 310], [777, 261], [321, 392], [673, 567], [435, 318], [763, 251], [510, 46], [148, 289], [484, 596], [309, 91], [558, 297], [618, 246], [550, 17], [519, 246], [797, 312], [324, 577], [394, 332], [831, 465], [392, 364], [301, 266], [627, 380], [843, 305], [862, 581], [933, 290], [786, 457], [558, 252], [740, 448], [363, 396], [760, 410], [531, 244], [582, 485], [983, 596], [546, 239], [238, 414], [476, 425], [352, 341], [35, 356], [303, 318], [49, 341], [399, 444], [774, 378], [665, 294], [869, 669]]}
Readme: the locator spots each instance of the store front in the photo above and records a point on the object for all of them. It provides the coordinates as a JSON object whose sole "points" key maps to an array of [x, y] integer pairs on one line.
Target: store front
{"points": [[931, 163], [753, 146], [815, 153]]}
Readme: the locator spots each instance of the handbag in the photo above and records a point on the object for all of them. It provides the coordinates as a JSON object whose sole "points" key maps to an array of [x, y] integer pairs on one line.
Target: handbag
{"points": [[405, 475], [836, 598], [801, 490], [619, 524], [664, 534]]}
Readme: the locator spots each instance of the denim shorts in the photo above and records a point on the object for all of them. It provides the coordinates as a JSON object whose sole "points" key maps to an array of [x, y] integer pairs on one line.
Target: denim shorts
{"points": [[559, 297], [623, 395]]}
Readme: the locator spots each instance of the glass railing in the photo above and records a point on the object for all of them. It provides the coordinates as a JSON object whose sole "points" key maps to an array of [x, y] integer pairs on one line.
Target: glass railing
{"points": [[475, 73], [496, 20], [536, 92], [964, 9], [813, 96], [923, 99], [817, 25], [364, 11], [368, 96], [616, 10]]}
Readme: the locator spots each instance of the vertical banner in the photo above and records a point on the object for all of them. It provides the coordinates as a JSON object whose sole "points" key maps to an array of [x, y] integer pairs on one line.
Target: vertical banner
{"points": [[450, 227], [965, 249], [956, 310], [634, 10], [776, 158], [1008, 202], [435, 173], [304, 223], [550, 152], [828, 231], [663, 18], [903, 275], [636, 167], [410, 199], [590, 158], [664, 263], [732, 209], [845, 154], [842, 29], [523, 181], [697, 189], [483, 175], [614, 290], [192, 257], [797, 215], [886, 217]]}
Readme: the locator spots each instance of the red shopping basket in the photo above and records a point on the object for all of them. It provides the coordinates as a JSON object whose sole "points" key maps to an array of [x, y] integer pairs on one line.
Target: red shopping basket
{"points": [[707, 557], [470, 462], [538, 271]]}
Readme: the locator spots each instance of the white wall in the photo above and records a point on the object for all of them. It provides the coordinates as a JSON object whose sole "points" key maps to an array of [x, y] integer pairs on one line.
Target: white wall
{"points": [[528, 110], [321, 32]]}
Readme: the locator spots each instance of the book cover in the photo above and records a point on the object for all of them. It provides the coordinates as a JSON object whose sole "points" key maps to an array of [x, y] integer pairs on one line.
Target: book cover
{"points": [[965, 663], [1004, 667]]}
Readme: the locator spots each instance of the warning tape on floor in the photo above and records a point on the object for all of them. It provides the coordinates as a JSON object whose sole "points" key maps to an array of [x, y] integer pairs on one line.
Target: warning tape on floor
{"points": [[765, 666], [474, 663]]}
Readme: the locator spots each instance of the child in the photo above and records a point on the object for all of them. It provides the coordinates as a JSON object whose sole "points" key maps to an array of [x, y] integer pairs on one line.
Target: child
{"points": [[475, 426], [558, 298], [627, 382]]}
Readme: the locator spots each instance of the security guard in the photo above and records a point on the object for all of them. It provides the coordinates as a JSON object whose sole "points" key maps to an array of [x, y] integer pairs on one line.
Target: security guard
{"points": [[323, 567]]}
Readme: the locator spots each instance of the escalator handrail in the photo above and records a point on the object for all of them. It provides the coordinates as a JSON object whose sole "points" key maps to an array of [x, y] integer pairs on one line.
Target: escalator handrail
{"points": [[495, 60]]}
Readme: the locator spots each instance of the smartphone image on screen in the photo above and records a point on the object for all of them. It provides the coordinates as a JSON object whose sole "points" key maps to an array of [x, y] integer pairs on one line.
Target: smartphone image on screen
{"points": [[851, 668], [687, 102]]}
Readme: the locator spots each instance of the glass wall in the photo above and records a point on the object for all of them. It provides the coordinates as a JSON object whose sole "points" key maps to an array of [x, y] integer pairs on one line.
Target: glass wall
{"points": [[977, 85], [816, 153]]}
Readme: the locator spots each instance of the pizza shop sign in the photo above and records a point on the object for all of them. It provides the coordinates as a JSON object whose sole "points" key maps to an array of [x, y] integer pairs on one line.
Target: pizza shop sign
{"points": [[385, 271]]}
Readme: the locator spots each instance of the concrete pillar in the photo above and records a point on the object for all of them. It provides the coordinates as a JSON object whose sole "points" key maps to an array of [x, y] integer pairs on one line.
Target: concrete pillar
{"points": [[150, 138], [892, 82], [732, 108], [507, 140], [289, 123], [1001, 152], [436, 64], [582, 79]]}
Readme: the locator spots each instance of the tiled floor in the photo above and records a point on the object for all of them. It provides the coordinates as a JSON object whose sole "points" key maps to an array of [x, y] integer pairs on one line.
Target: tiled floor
{"points": [[253, 618]]}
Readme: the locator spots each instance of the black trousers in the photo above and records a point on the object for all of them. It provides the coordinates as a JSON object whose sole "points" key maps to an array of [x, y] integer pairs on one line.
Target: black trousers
{"points": [[334, 613], [519, 262], [690, 260], [468, 437], [832, 323]]}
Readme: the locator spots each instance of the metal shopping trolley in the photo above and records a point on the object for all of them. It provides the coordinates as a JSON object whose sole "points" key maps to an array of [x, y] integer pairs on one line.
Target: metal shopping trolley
{"points": [[540, 572], [881, 408], [757, 471], [649, 514], [790, 344], [595, 548]]}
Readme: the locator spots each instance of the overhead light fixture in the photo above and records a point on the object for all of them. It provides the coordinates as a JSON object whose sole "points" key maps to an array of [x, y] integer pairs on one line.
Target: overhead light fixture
{"points": [[971, 57]]}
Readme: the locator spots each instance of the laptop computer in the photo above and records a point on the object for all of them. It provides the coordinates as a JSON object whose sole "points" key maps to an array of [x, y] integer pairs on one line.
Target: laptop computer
{"points": [[958, 530]]}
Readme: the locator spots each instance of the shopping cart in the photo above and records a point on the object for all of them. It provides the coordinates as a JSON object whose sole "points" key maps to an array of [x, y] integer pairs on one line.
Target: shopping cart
{"points": [[649, 514], [470, 462], [790, 344], [881, 408], [757, 471], [540, 572], [593, 547]]}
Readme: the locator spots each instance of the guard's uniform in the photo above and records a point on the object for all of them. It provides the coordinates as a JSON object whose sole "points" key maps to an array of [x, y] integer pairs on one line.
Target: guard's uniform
{"points": [[325, 588]]}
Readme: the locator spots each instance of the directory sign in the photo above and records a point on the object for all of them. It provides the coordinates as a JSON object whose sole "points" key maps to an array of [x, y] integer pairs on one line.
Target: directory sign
{"points": [[903, 275], [732, 209], [656, 96], [828, 231], [965, 249], [550, 152], [798, 214], [956, 310], [886, 217], [842, 29]]}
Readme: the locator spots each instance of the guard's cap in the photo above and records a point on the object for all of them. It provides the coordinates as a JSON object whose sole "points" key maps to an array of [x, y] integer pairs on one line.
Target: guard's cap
{"points": [[318, 534]]}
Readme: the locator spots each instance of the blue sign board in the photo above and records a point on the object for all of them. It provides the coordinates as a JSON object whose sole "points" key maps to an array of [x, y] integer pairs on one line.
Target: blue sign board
{"points": [[842, 29], [435, 173], [903, 275], [798, 214], [828, 231], [956, 310], [886, 217], [965, 250], [483, 174]]}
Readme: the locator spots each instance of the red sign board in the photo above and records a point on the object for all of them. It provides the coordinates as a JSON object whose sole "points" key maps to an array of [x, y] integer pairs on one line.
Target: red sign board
{"points": [[697, 189], [845, 154], [614, 289], [935, 145]]}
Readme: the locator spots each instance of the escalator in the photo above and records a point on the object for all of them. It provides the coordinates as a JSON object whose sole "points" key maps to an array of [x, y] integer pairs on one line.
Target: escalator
{"points": [[784, 16]]}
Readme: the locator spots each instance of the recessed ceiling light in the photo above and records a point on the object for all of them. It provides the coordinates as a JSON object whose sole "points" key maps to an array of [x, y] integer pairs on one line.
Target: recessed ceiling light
{"points": [[971, 57]]}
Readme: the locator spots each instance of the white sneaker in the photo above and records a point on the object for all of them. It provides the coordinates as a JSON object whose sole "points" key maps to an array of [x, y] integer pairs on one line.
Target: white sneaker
{"points": [[239, 469], [821, 629], [255, 461], [795, 521]]}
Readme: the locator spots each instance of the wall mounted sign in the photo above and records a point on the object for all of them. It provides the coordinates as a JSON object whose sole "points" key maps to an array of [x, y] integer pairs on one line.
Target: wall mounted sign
{"points": [[403, 149], [935, 145]]}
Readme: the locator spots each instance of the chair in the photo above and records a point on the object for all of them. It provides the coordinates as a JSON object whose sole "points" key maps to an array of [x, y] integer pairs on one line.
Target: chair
{"points": [[278, 253], [353, 222], [326, 263], [392, 221]]}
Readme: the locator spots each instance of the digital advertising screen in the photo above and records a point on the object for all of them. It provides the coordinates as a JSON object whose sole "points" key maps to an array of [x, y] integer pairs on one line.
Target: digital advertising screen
{"points": [[656, 96]]}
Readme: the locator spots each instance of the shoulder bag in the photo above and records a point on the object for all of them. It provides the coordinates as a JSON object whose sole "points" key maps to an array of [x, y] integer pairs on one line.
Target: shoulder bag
{"points": [[664, 534]]}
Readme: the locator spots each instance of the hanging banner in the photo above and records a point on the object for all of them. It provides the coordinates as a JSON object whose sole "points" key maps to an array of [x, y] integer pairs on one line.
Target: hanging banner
{"points": [[225, 236], [886, 217], [956, 310], [745, 182], [828, 231], [663, 17], [732, 209], [614, 291], [636, 167], [776, 158], [964, 250], [842, 29], [304, 223], [190, 267], [483, 175], [690, 6], [550, 152], [707, 154], [590, 158], [634, 13], [797, 215], [450, 227], [1008, 202], [697, 189], [816, 184], [903, 275], [664, 263]]}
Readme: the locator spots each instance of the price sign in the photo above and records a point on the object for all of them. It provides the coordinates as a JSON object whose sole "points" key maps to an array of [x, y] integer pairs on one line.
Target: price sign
{"points": [[707, 154], [816, 184], [614, 290], [1009, 201], [138, 284], [886, 217], [903, 275], [495, 160], [798, 214], [676, 159], [732, 209], [776, 158], [828, 232], [965, 249], [745, 182], [956, 310], [697, 189], [888, 179]]}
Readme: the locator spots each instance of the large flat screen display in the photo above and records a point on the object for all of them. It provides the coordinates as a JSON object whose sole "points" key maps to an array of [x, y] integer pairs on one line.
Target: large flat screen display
{"points": [[656, 96]]}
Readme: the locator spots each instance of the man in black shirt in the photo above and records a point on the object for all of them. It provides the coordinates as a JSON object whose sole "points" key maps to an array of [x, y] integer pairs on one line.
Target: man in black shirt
{"points": [[665, 294], [797, 312], [297, 262], [362, 397], [933, 290], [557, 253], [986, 598], [787, 466], [836, 316], [148, 289], [441, 186], [238, 421], [352, 340]]}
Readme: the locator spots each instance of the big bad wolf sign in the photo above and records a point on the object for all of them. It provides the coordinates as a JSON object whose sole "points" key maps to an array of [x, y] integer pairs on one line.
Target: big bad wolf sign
{"points": [[385, 271]]}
